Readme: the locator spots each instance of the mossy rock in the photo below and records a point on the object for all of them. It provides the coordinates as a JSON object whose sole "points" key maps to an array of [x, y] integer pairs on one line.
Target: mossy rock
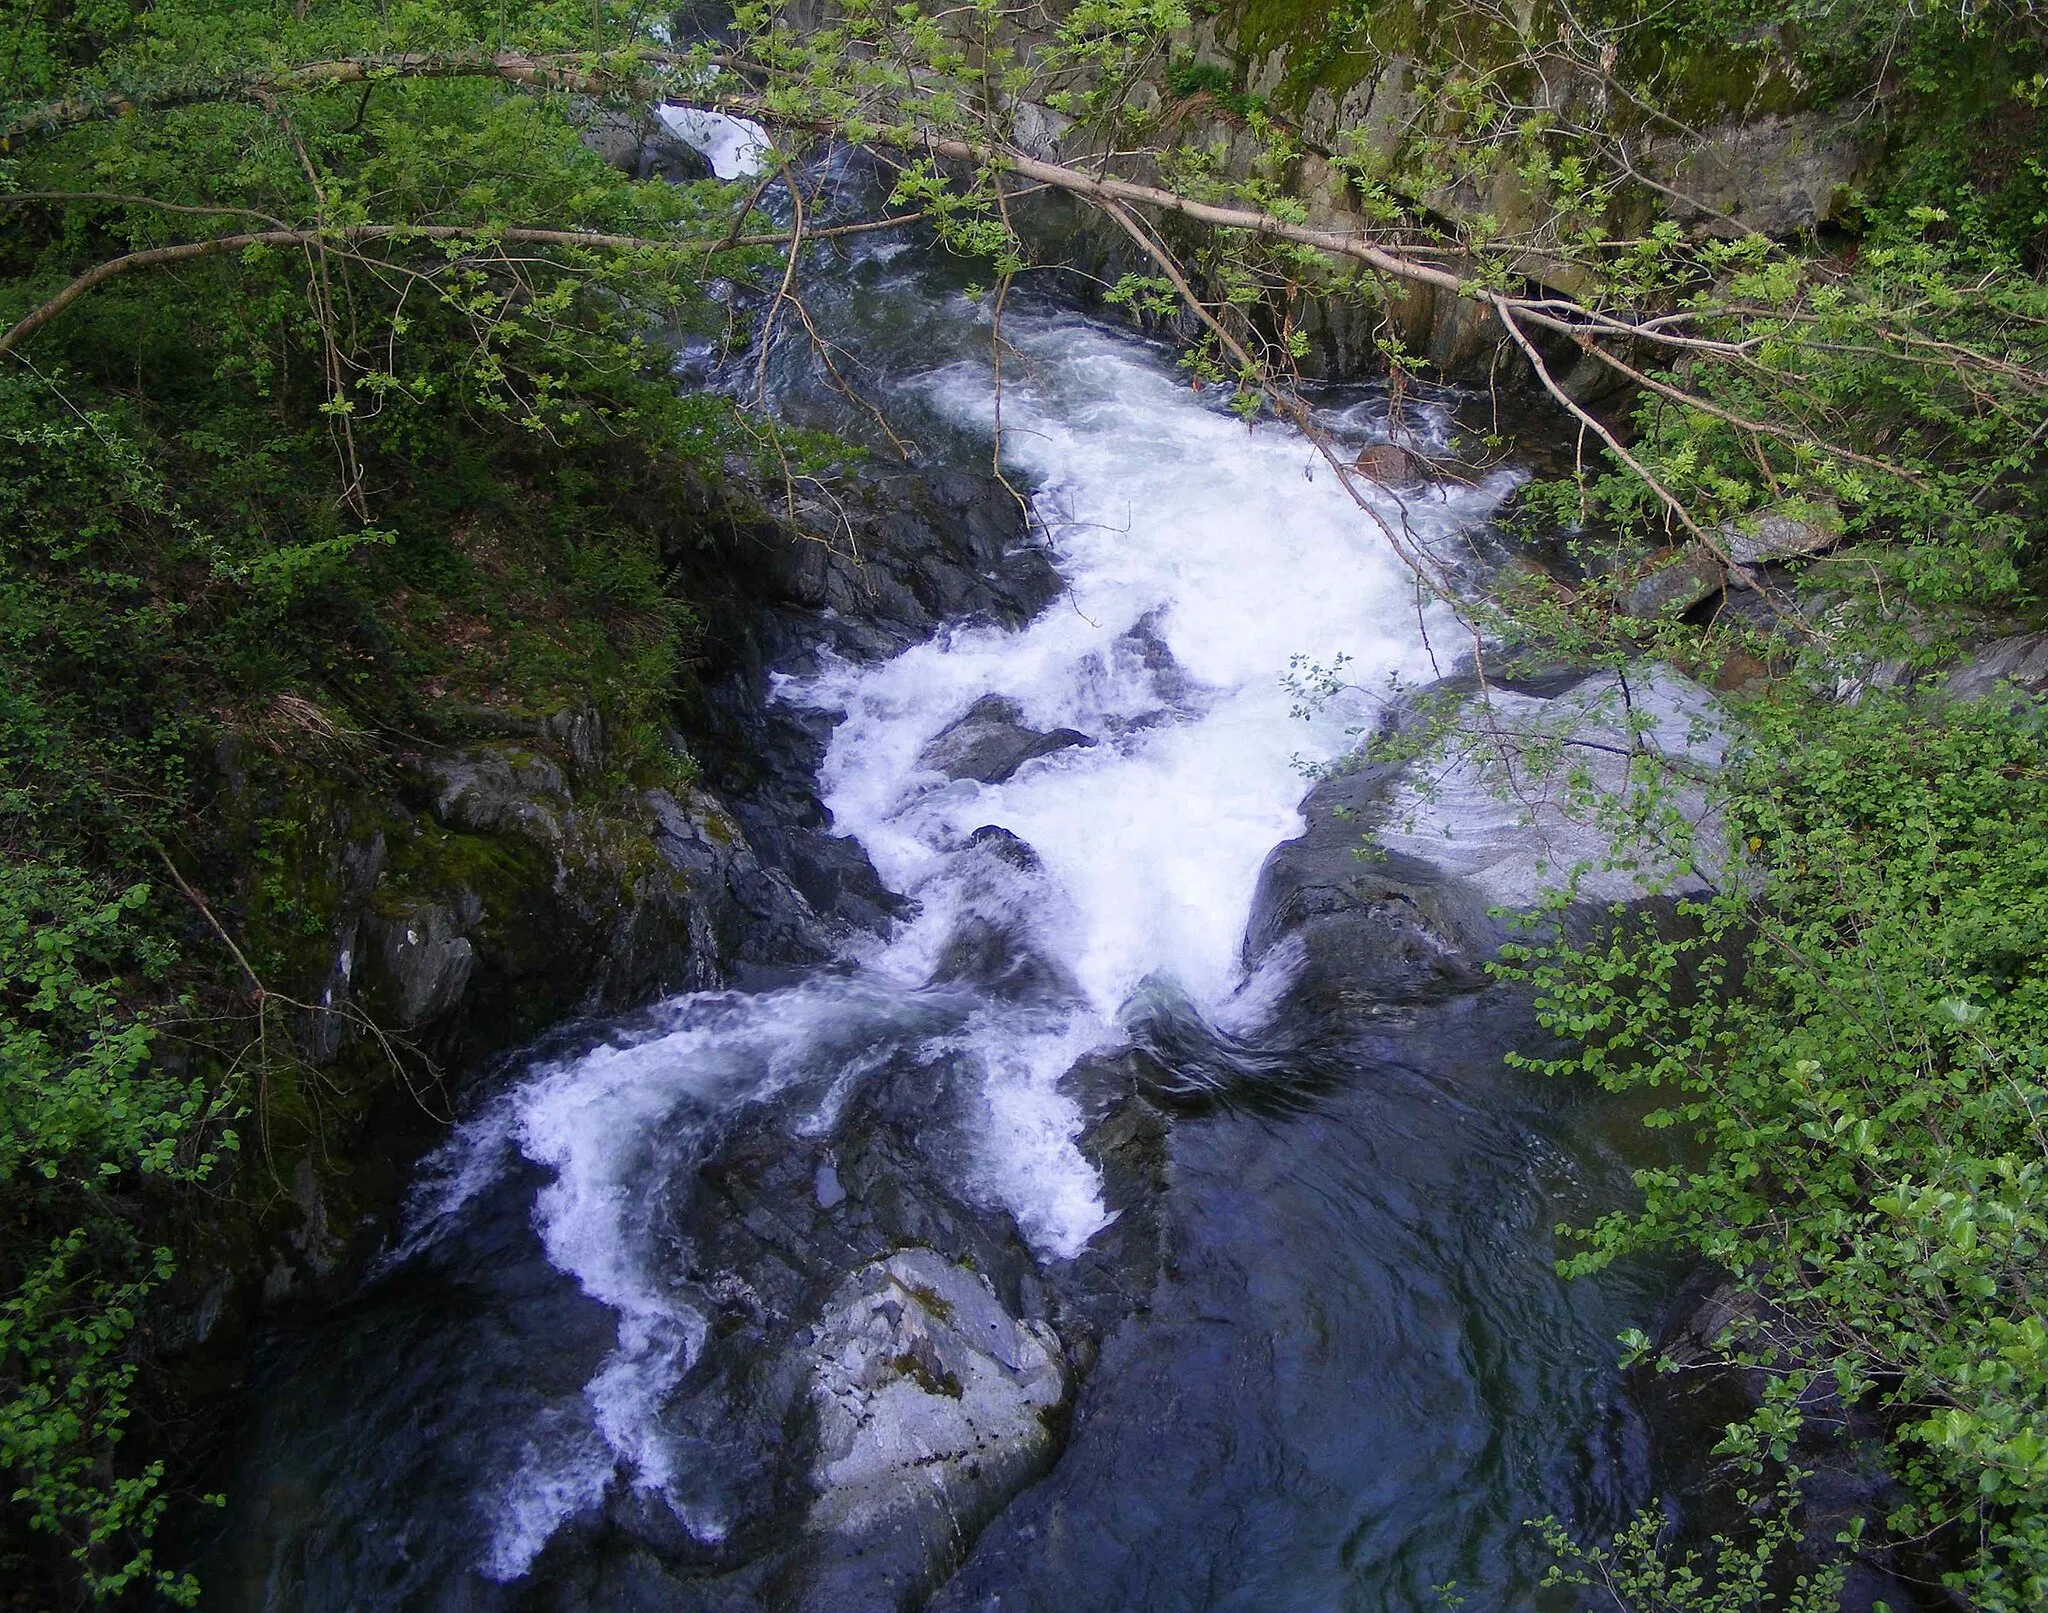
{"points": [[1337, 45]]}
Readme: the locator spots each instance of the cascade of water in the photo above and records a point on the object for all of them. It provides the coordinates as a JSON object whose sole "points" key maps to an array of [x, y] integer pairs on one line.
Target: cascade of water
{"points": [[1200, 555]]}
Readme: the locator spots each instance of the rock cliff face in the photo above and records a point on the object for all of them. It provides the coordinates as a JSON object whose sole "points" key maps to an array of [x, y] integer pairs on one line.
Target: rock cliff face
{"points": [[1355, 91]]}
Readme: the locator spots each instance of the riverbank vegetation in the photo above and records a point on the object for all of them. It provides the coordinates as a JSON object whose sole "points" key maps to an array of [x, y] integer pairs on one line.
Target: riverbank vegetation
{"points": [[374, 470], [336, 408]]}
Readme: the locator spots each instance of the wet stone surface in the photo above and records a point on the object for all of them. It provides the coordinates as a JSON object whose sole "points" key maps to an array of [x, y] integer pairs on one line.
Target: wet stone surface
{"points": [[992, 741]]}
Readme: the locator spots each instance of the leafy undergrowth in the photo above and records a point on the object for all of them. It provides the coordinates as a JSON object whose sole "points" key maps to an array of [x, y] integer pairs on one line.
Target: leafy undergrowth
{"points": [[1856, 1036], [269, 519]]}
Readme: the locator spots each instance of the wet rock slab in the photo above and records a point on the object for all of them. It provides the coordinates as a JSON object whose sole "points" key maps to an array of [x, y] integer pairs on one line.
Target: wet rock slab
{"points": [[2019, 663], [992, 741], [932, 1405], [1391, 894]]}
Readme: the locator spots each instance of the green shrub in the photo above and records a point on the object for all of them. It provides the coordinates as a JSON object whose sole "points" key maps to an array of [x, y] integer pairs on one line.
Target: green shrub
{"points": [[1854, 1037]]}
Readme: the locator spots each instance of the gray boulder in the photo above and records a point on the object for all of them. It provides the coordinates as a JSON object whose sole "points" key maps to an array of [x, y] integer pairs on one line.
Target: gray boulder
{"points": [[2019, 662], [924, 1385], [992, 741], [932, 1404], [1681, 582], [1788, 533], [495, 788], [428, 961]]}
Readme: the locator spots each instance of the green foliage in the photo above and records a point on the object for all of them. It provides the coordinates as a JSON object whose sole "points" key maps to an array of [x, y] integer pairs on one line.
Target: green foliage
{"points": [[77, 1070], [1637, 1572], [261, 512], [65, 1336], [1187, 75], [93, 1113], [1852, 1037]]}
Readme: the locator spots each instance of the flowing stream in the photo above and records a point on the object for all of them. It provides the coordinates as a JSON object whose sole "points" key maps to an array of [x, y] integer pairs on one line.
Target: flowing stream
{"points": [[1357, 1375]]}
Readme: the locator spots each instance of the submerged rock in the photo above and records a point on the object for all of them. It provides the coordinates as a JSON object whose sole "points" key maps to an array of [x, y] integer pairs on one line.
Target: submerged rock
{"points": [[996, 958], [1390, 465], [992, 741], [1001, 844]]}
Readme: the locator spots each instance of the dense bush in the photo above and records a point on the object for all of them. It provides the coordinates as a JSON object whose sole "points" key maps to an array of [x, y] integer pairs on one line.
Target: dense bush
{"points": [[1856, 1038]]}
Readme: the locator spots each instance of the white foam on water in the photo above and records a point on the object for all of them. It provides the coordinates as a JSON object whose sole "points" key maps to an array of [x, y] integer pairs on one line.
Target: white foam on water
{"points": [[1218, 539], [1253, 1004], [736, 148], [622, 1128], [474, 1156], [1024, 1153], [563, 1471], [1200, 557]]}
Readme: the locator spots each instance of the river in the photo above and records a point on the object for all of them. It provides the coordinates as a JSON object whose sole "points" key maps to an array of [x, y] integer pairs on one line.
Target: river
{"points": [[1345, 1376]]}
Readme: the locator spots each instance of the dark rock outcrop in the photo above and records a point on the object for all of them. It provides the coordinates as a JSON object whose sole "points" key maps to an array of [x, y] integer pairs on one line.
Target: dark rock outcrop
{"points": [[907, 554], [1375, 930], [1774, 175], [996, 958], [881, 1370], [899, 555], [514, 877], [1839, 1448], [992, 741]]}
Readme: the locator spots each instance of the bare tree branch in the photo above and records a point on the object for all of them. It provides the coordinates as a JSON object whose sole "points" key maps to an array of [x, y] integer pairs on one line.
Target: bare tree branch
{"points": [[185, 251]]}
